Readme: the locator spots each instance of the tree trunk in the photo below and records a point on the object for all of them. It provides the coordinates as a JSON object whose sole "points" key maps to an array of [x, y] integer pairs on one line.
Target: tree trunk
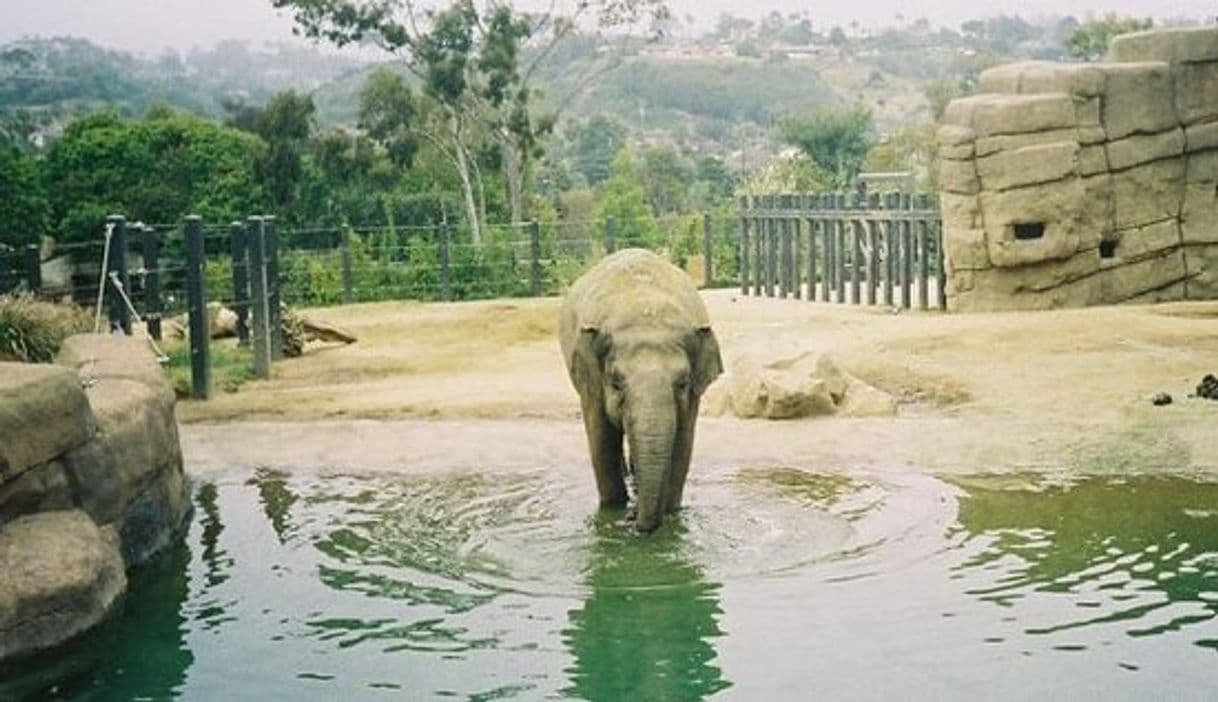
{"points": [[467, 190], [513, 174]]}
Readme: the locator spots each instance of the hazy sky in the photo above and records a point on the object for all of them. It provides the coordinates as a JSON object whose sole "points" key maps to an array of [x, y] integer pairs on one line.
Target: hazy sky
{"points": [[149, 25]]}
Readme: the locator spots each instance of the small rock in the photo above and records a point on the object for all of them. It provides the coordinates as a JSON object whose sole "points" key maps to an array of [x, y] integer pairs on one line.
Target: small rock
{"points": [[1208, 388], [1160, 399]]}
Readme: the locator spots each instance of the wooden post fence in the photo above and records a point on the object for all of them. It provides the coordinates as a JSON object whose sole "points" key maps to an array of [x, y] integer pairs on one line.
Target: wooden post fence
{"points": [[196, 303], [860, 249]]}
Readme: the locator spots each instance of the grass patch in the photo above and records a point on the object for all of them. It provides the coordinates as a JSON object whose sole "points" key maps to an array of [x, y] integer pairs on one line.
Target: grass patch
{"points": [[33, 331], [231, 367]]}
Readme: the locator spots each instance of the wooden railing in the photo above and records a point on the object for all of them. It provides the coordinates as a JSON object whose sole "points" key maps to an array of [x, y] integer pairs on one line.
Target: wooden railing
{"points": [[843, 247]]}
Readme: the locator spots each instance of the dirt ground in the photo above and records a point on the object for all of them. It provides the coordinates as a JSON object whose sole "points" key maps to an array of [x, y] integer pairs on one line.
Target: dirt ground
{"points": [[471, 385]]}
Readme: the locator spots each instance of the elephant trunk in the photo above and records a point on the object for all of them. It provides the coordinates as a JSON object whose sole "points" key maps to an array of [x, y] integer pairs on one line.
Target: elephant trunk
{"points": [[651, 432]]}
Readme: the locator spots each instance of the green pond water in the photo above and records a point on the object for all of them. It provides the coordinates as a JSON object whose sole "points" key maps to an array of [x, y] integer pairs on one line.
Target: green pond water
{"points": [[774, 584]]}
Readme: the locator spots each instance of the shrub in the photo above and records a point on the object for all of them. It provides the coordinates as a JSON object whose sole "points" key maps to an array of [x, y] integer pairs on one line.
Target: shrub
{"points": [[33, 331]]}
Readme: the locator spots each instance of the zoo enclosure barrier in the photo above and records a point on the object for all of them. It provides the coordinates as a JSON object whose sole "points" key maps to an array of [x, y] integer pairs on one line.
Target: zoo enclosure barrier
{"points": [[253, 267], [843, 247]]}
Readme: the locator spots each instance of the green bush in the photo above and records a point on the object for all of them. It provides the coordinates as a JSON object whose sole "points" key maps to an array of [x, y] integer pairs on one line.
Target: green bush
{"points": [[33, 331]]}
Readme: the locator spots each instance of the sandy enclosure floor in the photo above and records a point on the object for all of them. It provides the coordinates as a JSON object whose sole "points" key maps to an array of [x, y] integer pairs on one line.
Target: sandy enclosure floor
{"points": [[481, 384]]}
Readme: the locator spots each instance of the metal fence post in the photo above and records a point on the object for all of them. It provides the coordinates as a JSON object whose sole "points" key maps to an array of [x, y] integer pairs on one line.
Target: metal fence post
{"points": [[150, 242], [839, 248], [196, 304], [120, 316], [446, 282], [348, 274], [535, 258], [5, 261], [260, 334], [33, 268], [239, 246], [273, 302]]}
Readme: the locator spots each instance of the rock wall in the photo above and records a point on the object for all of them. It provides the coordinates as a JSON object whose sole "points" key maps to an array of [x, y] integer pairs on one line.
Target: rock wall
{"points": [[91, 483], [1065, 185]]}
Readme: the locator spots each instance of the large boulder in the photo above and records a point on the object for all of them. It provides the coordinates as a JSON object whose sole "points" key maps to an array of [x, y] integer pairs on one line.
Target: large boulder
{"points": [[43, 414], [789, 381], [59, 575]]}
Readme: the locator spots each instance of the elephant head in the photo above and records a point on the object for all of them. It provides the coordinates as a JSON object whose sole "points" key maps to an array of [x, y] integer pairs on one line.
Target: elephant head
{"points": [[649, 379]]}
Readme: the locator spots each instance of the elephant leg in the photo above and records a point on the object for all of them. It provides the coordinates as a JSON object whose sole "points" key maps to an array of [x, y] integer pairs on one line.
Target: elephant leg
{"points": [[605, 446], [682, 450]]}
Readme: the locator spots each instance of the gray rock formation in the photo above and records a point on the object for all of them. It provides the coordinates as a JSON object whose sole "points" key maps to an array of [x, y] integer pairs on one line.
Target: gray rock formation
{"points": [[90, 467], [1066, 185]]}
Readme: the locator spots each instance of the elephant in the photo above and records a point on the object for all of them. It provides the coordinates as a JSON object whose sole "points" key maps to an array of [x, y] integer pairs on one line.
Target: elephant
{"points": [[639, 349]]}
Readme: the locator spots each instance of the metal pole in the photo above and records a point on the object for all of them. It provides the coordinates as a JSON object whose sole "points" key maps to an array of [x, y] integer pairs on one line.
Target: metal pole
{"points": [[120, 316], [273, 303], [826, 237], [784, 232], [348, 273], [196, 304], [33, 268], [238, 244], [535, 256], [446, 281], [151, 245], [856, 262], [260, 335], [942, 278]]}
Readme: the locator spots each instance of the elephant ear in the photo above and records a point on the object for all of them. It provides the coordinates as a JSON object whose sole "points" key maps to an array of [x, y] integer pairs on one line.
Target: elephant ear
{"points": [[705, 362], [587, 355]]}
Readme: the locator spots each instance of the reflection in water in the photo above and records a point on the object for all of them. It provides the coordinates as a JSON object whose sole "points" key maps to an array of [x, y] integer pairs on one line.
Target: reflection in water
{"points": [[645, 631], [277, 499], [1139, 553]]}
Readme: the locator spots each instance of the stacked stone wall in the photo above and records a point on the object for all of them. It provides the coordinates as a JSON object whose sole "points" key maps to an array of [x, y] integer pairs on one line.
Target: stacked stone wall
{"points": [[91, 483], [1066, 185]]}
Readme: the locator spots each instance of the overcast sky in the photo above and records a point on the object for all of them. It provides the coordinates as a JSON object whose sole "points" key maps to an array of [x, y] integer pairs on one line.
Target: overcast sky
{"points": [[150, 25]]}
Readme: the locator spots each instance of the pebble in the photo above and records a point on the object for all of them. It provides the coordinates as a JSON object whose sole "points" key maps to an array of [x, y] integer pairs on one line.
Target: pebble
{"points": [[1161, 399], [1208, 387]]}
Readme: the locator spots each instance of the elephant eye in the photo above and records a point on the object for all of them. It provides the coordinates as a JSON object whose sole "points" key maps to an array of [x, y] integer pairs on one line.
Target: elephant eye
{"points": [[682, 383]]}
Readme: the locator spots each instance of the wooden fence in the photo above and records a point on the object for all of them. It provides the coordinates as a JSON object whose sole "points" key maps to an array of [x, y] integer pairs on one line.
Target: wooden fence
{"points": [[846, 248]]}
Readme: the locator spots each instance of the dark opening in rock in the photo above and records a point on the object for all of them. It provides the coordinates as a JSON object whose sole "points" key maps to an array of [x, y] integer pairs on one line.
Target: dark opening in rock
{"points": [[1108, 248], [1029, 230]]}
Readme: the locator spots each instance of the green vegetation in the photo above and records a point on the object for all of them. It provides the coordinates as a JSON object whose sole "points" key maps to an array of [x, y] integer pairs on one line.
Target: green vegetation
{"points": [[231, 367], [1089, 41], [32, 331], [481, 118]]}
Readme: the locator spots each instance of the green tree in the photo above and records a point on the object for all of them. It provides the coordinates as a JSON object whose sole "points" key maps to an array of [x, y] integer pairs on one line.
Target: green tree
{"points": [[387, 113], [468, 61], [285, 125], [155, 170], [23, 204], [624, 201], [836, 140], [1089, 41], [665, 176], [595, 144]]}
